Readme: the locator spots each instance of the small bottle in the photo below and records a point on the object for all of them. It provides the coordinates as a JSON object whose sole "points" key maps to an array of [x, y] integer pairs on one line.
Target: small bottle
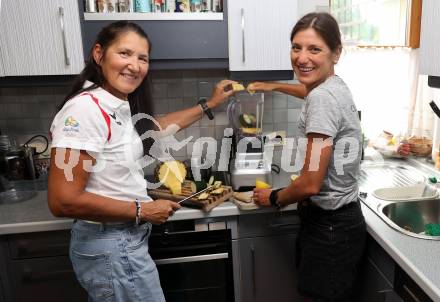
{"points": [[157, 6], [196, 6], [142, 6]]}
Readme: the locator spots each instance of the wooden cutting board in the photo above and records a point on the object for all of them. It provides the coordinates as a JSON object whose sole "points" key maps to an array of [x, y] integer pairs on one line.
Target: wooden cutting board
{"points": [[206, 205]]}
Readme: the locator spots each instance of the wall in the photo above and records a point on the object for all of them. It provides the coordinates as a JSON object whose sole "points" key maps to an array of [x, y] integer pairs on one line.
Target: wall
{"points": [[29, 110]]}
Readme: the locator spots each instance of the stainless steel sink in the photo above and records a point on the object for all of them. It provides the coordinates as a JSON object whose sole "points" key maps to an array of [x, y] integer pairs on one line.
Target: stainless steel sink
{"points": [[407, 217], [411, 217]]}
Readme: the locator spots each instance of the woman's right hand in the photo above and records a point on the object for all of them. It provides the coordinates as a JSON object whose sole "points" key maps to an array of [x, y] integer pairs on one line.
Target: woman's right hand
{"points": [[158, 211]]}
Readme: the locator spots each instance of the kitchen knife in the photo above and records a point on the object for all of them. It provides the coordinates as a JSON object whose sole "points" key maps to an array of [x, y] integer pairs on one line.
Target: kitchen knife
{"points": [[195, 194]]}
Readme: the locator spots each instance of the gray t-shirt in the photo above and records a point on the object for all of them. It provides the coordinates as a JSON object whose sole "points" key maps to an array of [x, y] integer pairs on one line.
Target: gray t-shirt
{"points": [[329, 109]]}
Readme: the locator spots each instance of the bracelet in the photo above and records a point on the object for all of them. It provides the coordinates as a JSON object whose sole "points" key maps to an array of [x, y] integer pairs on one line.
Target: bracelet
{"points": [[203, 111], [138, 212]]}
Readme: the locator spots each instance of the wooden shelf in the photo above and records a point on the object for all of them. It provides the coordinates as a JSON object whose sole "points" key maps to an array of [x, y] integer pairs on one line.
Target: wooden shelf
{"points": [[152, 16]]}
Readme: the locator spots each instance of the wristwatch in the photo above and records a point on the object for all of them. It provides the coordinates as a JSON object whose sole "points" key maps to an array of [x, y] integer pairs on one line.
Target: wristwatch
{"points": [[206, 110], [273, 198]]}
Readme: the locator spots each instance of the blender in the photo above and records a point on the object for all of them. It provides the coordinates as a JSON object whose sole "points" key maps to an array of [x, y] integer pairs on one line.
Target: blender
{"points": [[245, 113]]}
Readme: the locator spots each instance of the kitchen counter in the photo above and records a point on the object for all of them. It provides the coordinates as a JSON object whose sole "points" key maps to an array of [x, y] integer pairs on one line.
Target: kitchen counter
{"points": [[417, 257]]}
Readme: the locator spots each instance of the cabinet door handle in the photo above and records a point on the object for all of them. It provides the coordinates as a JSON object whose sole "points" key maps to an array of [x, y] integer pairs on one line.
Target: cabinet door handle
{"points": [[243, 47], [411, 293], [254, 285], [63, 33], [191, 259]]}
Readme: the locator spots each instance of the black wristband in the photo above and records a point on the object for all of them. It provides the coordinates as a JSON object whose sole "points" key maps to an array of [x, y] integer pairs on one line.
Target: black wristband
{"points": [[273, 198], [206, 110]]}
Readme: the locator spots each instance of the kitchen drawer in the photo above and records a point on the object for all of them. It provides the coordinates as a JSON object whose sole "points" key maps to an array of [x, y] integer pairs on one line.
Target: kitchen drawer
{"points": [[268, 224], [45, 279], [33, 245]]}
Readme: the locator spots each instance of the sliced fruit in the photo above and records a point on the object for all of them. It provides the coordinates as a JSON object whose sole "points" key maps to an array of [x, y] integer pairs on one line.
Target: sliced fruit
{"points": [[196, 186], [259, 184], [203, 196], [217, 191], [217, 184], [211, 181], [237, 87], [171, 174], [248, 120]]}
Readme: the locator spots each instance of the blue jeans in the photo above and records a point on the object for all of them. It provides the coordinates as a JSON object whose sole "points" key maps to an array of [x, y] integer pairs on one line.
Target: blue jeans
{"points": [[329, 250], [112, 262]]}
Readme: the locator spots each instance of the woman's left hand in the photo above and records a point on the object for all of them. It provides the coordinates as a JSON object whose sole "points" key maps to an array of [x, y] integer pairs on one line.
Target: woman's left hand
{"points": [[261, 197], [219, 95]]}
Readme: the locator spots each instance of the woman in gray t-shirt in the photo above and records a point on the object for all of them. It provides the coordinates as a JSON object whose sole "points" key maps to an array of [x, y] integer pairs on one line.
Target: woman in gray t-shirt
{"points": [[332, 234]]}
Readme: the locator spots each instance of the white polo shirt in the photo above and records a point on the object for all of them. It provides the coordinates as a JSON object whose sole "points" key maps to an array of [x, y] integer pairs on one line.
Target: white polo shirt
{"points": [[100, 123]]}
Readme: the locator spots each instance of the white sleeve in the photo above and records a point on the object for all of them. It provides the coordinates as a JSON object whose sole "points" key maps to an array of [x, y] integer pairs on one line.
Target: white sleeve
{"points": [[80, 125]]}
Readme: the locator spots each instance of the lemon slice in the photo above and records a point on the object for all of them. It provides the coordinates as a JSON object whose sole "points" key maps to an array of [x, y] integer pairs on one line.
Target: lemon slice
{"points": [[259, 184], [237, 87]]}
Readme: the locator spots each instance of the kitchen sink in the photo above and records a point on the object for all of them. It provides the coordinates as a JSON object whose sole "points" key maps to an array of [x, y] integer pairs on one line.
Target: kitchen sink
{"points": [[410, 217], [407, 217]]}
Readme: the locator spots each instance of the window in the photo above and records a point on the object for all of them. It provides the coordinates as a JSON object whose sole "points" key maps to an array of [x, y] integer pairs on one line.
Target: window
{"points": [[378, 22]]}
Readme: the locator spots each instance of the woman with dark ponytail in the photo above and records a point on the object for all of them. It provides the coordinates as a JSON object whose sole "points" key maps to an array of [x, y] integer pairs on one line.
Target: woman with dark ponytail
{"points": [[96, 174]]}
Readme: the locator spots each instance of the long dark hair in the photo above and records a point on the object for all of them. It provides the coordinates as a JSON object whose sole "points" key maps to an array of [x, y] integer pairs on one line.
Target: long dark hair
{"points": [[325, 25], [140, 99]]}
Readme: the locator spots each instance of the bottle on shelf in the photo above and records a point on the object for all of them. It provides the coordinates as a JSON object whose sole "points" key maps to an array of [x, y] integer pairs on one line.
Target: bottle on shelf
{"points": [[158, 6]]}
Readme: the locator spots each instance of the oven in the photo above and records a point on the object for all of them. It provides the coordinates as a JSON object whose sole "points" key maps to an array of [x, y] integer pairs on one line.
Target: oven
{"points": [[194, 260]]}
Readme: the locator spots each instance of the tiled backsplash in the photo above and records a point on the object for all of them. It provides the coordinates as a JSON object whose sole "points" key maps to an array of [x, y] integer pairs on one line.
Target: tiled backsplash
{"points": [[27, 110]]}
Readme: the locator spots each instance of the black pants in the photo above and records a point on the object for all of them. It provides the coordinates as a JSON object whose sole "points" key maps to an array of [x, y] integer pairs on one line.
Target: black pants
{"points": [[329, 249]]}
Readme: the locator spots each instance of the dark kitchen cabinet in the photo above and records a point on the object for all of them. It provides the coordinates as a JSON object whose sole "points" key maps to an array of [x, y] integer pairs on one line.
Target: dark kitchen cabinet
{"points": [[376, 276], [176, 44], [266, 249], [38, 268]]}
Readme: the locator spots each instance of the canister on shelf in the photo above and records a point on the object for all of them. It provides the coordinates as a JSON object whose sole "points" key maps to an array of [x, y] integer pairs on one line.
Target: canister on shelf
{"points": [[142, 6], [124, 6], [182, 6], [90, 6], [196, 5], [170, 6], [101, 6], [112, 6]]}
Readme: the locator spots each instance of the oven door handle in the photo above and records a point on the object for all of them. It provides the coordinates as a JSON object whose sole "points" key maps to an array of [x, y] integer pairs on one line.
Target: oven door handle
{"points": [[191, 259]]}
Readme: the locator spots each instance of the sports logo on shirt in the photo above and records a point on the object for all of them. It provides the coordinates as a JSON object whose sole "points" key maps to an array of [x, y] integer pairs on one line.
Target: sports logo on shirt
{"points": [[71, 124]]}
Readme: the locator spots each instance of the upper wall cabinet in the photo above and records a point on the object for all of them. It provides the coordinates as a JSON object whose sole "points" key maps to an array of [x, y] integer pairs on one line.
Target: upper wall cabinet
{"points": [[259, 34], [430, 38], [40, 37]]}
